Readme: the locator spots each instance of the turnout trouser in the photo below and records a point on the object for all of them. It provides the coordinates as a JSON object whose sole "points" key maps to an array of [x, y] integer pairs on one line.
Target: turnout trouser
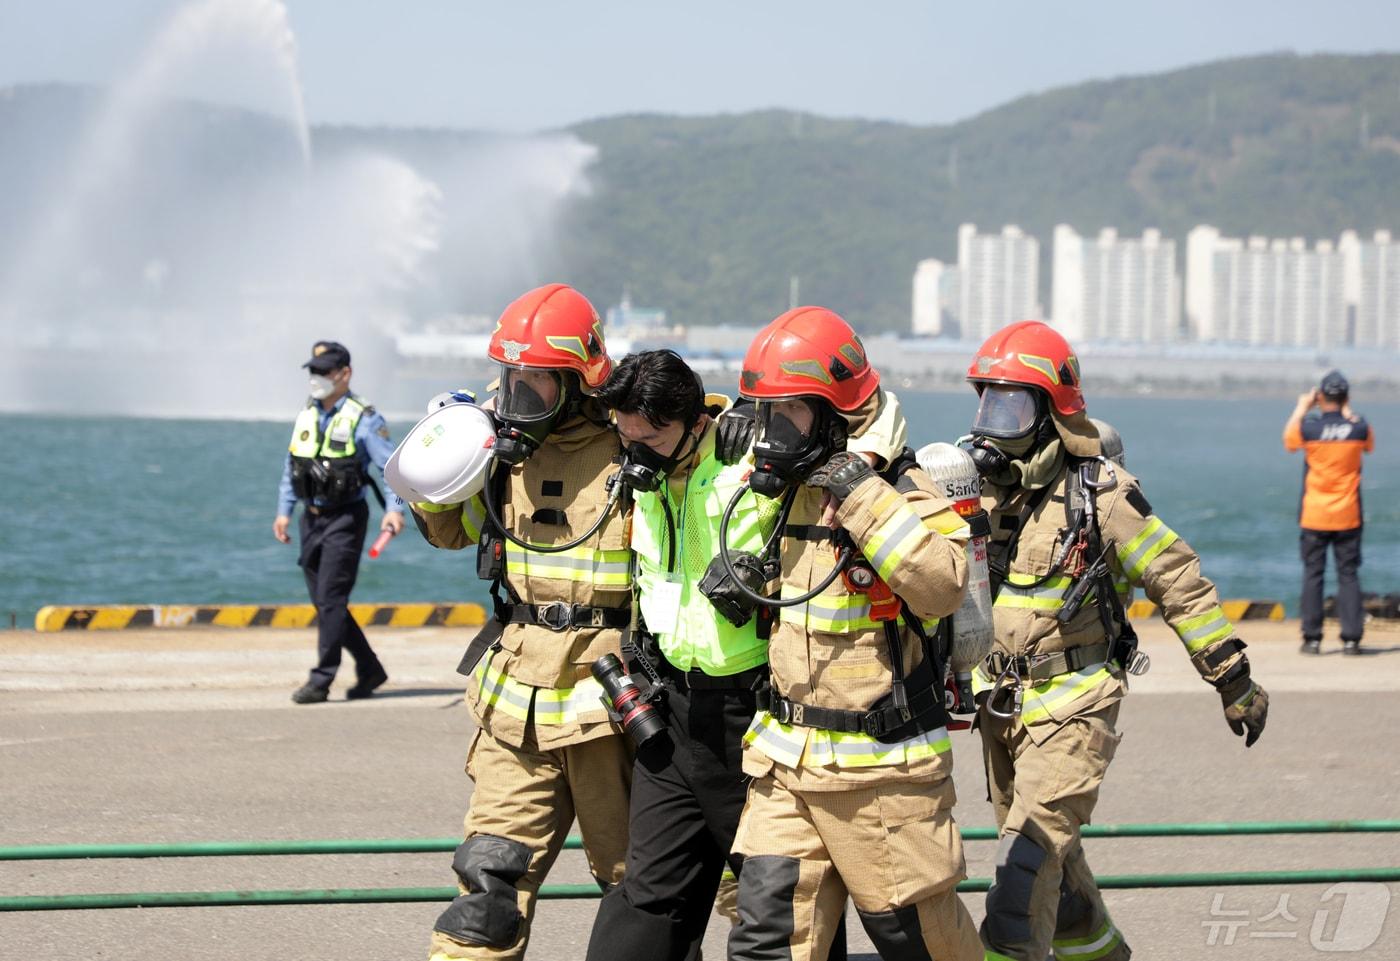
{"points": [[1346, 551], [331, 543], [1043, 896], [523, 805], [687, 794], [893, 848]]}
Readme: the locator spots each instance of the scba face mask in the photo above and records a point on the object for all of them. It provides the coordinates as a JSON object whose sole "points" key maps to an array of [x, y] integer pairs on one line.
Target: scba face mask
{"points": [[1006, 412], [321, 386], [1005, 428], [643, 468], [795, 437], [528, 405]]}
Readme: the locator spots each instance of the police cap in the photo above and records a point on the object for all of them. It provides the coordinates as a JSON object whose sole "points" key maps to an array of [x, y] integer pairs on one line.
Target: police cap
{"points": [[326, 356]]}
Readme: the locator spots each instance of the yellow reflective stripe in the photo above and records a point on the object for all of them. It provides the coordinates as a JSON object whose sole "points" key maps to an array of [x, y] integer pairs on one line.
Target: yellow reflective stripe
{"points": [[1203, 630], [1041, 699], [602, 568], [779, 741], [813, 747], [498, 690], [1017, 592], [473, 518], [553, 705], [565, 705], [861, 750], [1097, 945], [892, 540], [1142, 550], [838, 613]]}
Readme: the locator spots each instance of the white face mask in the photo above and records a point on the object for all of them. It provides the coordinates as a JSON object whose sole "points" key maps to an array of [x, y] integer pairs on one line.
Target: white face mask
{"points": [[321, 386]]}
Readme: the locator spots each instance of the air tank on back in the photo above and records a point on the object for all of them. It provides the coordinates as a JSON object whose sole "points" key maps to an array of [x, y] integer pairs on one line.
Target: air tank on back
{"points": [[955, 476]]}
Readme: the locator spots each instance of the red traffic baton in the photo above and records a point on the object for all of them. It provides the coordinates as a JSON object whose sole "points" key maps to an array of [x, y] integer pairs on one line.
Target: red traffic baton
{"points": [[380, 542]]}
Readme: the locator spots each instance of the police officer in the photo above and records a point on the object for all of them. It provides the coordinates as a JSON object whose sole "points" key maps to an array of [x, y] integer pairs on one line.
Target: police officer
{"points": [[334, 440], [1070, 532], [850, 754], [551, 537]]}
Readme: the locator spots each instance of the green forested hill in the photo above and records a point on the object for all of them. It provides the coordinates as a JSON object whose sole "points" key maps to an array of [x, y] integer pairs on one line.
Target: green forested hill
{"points": [[708, 217]]}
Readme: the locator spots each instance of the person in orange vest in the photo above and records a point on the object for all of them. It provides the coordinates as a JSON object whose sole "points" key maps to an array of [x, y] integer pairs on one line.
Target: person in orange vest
{"points": [[1333, 440]]}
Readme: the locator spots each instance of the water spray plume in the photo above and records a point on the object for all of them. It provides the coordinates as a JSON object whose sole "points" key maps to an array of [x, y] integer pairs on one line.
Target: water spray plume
{"points": [[189, 248]]}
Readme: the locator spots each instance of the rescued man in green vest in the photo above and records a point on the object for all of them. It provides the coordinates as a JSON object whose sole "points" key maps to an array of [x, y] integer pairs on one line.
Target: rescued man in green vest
{"points": [[687, 454], [335, 439]]}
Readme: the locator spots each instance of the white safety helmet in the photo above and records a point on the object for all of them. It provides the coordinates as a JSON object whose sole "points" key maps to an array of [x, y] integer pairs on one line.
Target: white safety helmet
{"points": [[444, 458]]}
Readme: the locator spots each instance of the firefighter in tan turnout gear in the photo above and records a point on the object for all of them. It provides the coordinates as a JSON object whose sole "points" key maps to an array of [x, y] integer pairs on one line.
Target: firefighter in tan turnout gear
{"points": [[1070, 533], [546, 750], [850, 753]]}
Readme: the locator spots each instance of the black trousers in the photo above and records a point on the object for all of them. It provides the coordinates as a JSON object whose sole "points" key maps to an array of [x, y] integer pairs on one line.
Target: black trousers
{"points": [[687, 794], [688, 790], [1346, 551], [330, 558]]}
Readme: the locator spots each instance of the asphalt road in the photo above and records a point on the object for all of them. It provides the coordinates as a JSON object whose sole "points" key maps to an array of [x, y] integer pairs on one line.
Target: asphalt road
{"points": [[189, 736]]}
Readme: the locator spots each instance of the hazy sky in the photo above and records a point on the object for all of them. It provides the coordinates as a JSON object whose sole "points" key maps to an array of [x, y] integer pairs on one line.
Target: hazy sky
{"points": [[532, 65]]}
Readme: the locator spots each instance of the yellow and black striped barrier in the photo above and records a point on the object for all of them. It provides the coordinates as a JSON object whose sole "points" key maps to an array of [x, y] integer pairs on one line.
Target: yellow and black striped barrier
{"points": [[117, 617], [1234, 610]]}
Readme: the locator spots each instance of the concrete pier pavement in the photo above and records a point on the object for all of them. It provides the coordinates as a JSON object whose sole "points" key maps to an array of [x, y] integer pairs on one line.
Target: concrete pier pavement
{"points": [[189, 735]]}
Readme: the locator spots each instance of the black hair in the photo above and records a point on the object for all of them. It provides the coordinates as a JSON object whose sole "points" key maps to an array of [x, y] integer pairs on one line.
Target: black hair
{"points": [[657, 384]]}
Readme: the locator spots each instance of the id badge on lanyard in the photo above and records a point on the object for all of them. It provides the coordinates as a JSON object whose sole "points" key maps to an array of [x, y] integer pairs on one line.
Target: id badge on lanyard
{"points": [[661, 604]]}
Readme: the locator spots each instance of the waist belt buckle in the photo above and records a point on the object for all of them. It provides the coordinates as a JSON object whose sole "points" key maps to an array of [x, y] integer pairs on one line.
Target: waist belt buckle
{"points": [[874, 724], [557, 616], [787, 712]]}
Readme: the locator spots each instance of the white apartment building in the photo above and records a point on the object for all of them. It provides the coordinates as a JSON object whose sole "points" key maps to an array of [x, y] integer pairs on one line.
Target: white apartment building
{"points": [[935, 299], [1115, 288], [1377, 278], [1265, 292], [998, 280]]}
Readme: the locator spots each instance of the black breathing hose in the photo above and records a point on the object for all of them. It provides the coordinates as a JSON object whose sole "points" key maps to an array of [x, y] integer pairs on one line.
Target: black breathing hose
{"points": [[615, 491], [843, 559]]}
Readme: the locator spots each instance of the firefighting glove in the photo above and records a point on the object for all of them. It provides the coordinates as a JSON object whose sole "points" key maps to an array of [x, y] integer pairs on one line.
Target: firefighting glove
{"points": [[734, 431], [1246, 708], [840, 475]]}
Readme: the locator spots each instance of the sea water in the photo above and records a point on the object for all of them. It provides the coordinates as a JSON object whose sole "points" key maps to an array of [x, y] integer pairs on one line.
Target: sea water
{"points": [[137, 511]]}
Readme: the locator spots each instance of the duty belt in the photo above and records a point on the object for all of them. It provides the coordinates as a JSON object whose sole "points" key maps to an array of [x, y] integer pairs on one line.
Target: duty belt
{"points": [[559, 616], [696, 680], [1041, 667]]}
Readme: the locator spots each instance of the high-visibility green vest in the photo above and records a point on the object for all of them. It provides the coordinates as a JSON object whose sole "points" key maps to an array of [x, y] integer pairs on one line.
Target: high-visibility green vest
{"points": [[702, 639], [339, 439]]}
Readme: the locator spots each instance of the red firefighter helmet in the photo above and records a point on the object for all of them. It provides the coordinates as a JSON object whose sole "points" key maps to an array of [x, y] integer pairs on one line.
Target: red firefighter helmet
{"points": [[553, 327], [1033, 354], [809, 352]]}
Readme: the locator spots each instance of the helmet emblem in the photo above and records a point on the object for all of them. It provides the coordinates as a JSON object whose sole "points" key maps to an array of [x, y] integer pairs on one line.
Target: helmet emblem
{"points": [[751, 378], [985, 364], [513, 349], [305, 435]]}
